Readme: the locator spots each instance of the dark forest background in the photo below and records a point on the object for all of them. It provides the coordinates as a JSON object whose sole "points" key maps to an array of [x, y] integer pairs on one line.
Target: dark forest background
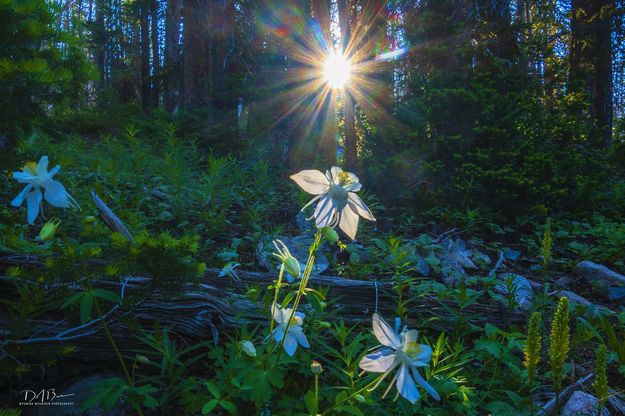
{"points": [[507, 109]]}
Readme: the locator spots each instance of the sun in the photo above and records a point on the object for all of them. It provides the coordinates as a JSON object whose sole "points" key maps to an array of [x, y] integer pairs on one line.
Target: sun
{"points": [[336, 70]]}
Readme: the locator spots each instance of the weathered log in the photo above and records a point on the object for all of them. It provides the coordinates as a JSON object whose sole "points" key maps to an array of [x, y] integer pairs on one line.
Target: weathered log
{"points": [[217, 304]]}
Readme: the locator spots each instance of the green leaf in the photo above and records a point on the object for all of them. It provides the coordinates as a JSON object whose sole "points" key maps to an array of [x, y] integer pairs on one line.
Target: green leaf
{"points": [[107, 295], [229, 406], [213, 389], [208, 407], [491, 330], [340, 397], [86, 305], [72, 299], [352, 410], [309, 400]]}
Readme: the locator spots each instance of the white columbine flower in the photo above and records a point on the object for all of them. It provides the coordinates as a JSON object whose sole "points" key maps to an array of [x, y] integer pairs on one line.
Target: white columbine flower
{"points": [[403, 351], [295, 335], [40, 185], [338, 202]]}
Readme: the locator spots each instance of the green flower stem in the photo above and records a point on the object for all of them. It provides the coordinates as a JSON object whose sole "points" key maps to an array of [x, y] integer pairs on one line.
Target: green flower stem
{"points": [[354, 394], [316, 394], [275, 301], [300, 291], [113, 343]]}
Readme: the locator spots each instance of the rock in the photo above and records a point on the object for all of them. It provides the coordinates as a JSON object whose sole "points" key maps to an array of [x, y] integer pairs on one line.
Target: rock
{"points": [[563, 282], [298, 246], [80, 390], [583, 404], [572, 297], [535, 285], [521, 287], [599, 275], [454, 260], [304, 226]]}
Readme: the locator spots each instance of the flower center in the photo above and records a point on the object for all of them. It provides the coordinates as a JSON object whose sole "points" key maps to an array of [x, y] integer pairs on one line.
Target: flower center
{"points": [[412, 349], [339, 195], [31, 168], [344, 179]]}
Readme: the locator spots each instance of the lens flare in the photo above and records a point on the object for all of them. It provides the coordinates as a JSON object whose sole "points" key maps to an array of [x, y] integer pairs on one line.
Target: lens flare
{"points": [[336, 70]]}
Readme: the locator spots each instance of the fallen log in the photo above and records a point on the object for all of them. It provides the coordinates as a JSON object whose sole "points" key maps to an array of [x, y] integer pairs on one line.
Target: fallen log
{"points": [[218, 304]]}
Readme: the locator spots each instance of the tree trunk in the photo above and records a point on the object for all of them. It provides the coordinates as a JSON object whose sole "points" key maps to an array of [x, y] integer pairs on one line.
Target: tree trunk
{"points": [[156, 88], [145, 54], [195, 53], [351, 139], [217, 54], [590, 60], [100, 40], [218, 304], [171, 80]]}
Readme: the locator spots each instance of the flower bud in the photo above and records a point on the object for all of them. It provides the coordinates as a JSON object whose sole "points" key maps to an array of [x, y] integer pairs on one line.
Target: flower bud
{"points": [[248, 348], [89, 219], [316, 368], [292, 267], [143, 359], [330, 234], [291, 264], [49, 229]]}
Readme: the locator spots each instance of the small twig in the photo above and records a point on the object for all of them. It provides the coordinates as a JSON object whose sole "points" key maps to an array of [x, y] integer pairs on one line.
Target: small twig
{"points": [[444, 234], [548, 407], [109, 217], [502, 258]]}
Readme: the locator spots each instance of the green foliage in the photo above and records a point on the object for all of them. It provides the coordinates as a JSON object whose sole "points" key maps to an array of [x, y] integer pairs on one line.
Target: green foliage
{"points": [[546, 245], [532, 348], [40, 66], [559, 342], [600, 385]]}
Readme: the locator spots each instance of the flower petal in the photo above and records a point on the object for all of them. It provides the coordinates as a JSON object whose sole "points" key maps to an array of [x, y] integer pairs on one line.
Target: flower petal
{"points": [[352, 187], [33, 202], [23, 177], [277, 314], [424, 357], [42, 167], [406, 385], [311, 181], [384, 333], [379, 362], [423, 383], [349, 222], [19, 199], [325, 212], [290, 344], [356, 204], [278, 333], [54, 171], [352, 177], [335, 171], [56, 194], [301, 337]]}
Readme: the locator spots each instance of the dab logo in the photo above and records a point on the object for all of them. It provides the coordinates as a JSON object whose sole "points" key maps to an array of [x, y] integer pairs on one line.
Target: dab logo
{"points": [[44, 397]]}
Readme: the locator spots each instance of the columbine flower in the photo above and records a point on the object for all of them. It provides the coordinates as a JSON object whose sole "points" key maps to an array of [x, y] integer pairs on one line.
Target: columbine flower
{"points": [[291, 264], [38, 179], [338, 202], [295, 335], [403, 351]]}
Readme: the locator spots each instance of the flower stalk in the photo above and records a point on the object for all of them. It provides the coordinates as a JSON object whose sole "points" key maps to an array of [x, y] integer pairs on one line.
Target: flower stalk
{"points": [[300, 291]]}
